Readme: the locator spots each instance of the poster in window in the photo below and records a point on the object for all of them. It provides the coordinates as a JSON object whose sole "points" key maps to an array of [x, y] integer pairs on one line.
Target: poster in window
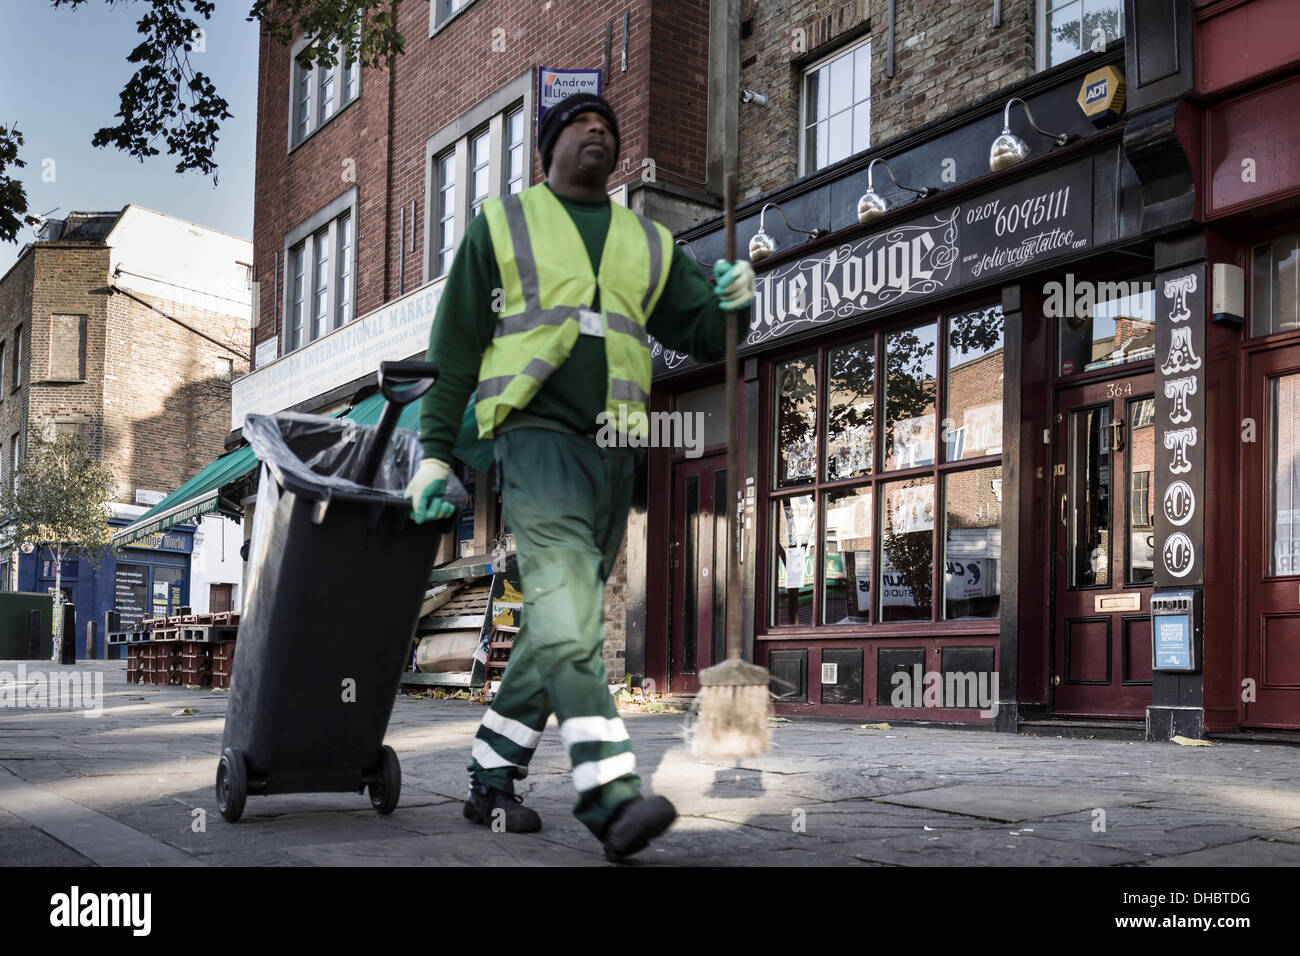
{"points": [[914, 442]]}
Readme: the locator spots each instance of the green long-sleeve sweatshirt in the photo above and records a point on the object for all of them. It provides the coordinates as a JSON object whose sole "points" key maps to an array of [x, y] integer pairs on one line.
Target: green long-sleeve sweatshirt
{"points": [[686, 318]]}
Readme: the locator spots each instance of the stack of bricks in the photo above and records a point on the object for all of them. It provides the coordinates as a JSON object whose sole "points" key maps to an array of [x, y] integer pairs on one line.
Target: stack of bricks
{"points": [[133, 655], [223, 659], [196, 664], [192, 650]]}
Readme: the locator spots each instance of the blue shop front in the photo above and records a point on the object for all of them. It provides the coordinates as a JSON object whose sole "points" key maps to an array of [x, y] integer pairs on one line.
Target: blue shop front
{"points": [[148, 578]]}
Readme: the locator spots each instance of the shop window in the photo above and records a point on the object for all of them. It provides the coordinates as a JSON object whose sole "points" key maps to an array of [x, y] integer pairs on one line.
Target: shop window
{"points": [[972, 550], [836, 113], [320, 91], [973, 426], [910, 362], [860, 506], [1070, 28], [1141, 457], [1102, 324], [1284, 475], [1275, 287], [907, 551]]}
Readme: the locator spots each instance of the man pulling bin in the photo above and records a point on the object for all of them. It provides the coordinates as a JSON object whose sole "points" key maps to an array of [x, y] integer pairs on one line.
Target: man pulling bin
{"points": [[544, 318]]}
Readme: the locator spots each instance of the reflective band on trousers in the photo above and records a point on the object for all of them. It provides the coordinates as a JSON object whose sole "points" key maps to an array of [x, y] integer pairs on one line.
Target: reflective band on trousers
{"points": [[597, 773], [488, 758], [585, 730], [512, 730]]}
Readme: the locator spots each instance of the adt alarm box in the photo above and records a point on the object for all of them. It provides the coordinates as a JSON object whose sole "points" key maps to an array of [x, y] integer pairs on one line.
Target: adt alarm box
{"points": [[1175, 630]]}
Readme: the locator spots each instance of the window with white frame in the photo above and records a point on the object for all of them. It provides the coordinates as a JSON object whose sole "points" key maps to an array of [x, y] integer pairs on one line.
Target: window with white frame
{"points": [[320, 92], [480, 158], [1070, 28], [515, 158], [320, 258], [836, 108], [445, 237], [440, 11], [491, 158]]}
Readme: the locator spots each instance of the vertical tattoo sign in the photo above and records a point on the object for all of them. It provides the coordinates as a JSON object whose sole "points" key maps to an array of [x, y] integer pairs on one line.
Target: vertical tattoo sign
{"points": [[1179, 483]]}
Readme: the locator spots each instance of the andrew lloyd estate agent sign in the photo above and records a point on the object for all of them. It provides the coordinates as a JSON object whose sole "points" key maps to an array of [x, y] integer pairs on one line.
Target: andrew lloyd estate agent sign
{"points": [[1040, 219]]}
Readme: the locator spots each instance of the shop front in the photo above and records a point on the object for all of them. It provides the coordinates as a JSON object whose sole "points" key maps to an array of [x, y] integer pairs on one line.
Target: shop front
{"points": [[148, 578], [978, 438]]}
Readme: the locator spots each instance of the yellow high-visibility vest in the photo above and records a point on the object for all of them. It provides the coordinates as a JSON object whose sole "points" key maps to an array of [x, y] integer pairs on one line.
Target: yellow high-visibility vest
{"points": [[547, 277]]}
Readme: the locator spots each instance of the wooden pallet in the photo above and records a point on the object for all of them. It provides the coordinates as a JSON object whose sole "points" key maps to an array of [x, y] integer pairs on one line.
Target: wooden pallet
{"points": [[500, 643]]}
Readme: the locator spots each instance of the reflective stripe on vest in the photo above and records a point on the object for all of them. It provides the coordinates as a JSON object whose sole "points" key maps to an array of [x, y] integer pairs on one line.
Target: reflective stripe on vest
{"points": [[547, 277]]}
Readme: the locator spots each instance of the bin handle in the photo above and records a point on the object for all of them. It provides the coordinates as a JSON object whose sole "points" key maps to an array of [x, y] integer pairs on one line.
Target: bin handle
{"points": [[404, 382], [401, 383]]}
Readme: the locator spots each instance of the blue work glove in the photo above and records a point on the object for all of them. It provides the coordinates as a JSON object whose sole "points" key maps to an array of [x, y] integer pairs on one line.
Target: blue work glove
{"points": [[426, 492], [733, 284]]}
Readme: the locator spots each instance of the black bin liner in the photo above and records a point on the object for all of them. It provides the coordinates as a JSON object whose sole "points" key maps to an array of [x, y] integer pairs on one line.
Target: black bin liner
{"points": [[337, 572]]}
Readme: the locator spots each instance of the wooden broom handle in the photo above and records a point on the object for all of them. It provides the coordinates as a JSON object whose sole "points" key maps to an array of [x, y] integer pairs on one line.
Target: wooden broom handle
{"points": [[734, 515]]}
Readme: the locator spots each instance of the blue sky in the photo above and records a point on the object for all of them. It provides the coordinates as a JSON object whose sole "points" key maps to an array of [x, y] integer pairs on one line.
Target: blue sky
{"points": [[60, 75]]}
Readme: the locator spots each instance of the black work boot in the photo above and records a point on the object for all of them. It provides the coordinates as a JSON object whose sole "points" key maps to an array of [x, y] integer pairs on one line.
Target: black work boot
{"points": [[634, 824], [483, 802]]}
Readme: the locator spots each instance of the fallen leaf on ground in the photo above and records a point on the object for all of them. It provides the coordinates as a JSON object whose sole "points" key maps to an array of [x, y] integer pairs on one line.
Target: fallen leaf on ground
{"points": [[1189, 742], [875, 727], [778, 720], [184, 712]]}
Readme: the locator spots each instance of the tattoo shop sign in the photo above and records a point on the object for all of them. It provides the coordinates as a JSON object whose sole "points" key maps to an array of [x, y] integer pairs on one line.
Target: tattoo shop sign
{"points": [[1040, 219], [1180, 428]]}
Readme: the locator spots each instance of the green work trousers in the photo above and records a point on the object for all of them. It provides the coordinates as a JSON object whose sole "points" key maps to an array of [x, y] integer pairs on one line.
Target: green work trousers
{"points": [[565, 501]]}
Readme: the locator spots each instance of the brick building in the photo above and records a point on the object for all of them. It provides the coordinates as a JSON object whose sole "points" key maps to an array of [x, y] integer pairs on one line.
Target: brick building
{"points": [[885, 464], [127, 328]]}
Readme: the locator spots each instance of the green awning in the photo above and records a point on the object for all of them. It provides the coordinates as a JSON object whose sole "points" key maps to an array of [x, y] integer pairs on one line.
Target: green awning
{"points": [[200, 495]]}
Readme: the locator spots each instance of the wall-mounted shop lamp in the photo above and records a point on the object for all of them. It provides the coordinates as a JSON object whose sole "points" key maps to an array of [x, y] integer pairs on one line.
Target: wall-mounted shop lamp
{"points": [[1009, 149], [763, 245], [872, 205]]}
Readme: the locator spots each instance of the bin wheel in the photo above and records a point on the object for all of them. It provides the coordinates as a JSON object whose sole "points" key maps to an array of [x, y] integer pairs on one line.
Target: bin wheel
{"points": [[232, 785], [388, 787]]}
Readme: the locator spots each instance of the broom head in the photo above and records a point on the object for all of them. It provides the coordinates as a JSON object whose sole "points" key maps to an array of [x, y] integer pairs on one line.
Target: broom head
{"points": [[733, 711]]}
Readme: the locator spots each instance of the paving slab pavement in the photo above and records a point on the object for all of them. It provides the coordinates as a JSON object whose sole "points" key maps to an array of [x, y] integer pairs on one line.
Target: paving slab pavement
{"points": [[135, 784]]}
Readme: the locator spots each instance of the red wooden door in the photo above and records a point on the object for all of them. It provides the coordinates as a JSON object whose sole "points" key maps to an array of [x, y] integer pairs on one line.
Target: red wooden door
{"points": [[1104, 540], [1272, 491], [699, 571]]}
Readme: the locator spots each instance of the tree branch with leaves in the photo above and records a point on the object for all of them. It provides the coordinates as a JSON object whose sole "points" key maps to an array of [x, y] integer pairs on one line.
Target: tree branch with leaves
{"points": [[168, 103]]}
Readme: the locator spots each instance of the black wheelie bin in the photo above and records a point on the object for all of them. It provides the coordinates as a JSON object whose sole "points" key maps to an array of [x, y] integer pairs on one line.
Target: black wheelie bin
{"points": [[337, 572]]}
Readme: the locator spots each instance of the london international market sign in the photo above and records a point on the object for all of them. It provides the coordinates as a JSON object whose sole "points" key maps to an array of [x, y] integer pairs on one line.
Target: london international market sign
{"points": [[1043, 218], [393, 332]]}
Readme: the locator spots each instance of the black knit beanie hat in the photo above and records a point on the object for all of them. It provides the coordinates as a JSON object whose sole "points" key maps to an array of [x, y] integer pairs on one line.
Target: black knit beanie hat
{"points": [[565, 112]]}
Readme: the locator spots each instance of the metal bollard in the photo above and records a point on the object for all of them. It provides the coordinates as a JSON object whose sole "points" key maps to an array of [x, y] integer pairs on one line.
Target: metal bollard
{"points": [[92, 640], [69, 655], [33, 634]]}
